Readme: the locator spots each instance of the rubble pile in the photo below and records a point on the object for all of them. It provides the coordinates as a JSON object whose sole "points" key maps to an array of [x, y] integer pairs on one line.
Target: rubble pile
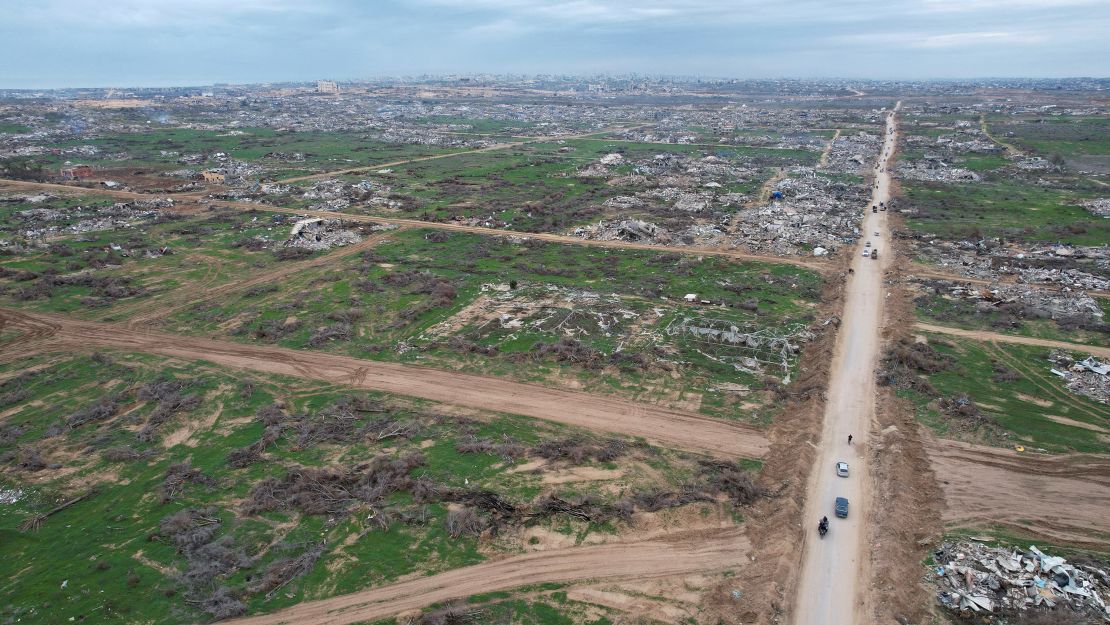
{"points": [[1069, 267], [976, 578], [1087, 377], [934, 169], [814, 212], [317, 233], [1029, 302], [1099, 207]]}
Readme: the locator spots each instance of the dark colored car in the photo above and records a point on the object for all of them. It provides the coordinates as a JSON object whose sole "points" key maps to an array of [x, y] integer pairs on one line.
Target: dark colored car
{"points": [[842, 507]]}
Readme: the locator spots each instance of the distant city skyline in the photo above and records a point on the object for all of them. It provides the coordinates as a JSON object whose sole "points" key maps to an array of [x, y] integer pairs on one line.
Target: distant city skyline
{"points": [[134, 43]]}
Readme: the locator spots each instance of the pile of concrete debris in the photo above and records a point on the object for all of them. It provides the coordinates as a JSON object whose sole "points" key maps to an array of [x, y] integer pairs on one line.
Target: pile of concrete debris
{"points": [[317, 233], [977, 578], [1098, 207], [1070, 267], [1087, 377], [1025, 301], [810, 212], [935, 170]]}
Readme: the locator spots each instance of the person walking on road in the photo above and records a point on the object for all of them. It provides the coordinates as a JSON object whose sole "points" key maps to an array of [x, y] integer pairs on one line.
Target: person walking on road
{"points": [[849, 439]]}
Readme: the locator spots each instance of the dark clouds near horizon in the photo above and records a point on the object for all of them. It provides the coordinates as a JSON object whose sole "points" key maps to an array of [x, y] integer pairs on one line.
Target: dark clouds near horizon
{"points": [[67, 43]]}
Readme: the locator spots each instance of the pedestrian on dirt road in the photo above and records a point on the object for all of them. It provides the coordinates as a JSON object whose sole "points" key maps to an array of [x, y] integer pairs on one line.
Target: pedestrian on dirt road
{"points": [[849, 439]]}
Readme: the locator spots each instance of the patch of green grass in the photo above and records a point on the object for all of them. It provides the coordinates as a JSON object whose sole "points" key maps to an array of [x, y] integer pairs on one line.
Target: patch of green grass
{"points": [[606, 300], [111, 540], [1022, 409], [1003, 208]]}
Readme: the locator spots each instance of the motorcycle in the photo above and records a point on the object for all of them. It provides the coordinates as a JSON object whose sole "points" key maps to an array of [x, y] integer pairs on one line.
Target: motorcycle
{"points": [[823, 527]]}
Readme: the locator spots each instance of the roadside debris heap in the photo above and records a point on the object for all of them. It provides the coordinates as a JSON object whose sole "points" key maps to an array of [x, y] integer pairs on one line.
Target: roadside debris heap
{"points": [[977, 578]]}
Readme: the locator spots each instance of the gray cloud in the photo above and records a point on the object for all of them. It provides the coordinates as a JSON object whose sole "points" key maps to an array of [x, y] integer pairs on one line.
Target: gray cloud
{"points": [[164, 42]]}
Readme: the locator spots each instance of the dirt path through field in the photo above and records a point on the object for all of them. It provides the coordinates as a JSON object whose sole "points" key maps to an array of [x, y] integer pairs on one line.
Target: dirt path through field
{"points": [[808, 263], [829, 590], [924, 271], [187, 297], [678, 429], [677, 554], [491, 148], [995, 337], [1062, 499]]}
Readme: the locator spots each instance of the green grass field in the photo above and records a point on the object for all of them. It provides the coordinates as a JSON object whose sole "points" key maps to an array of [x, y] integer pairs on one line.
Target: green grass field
{"points": [[427, 291], [1003, 208], [110, 558], [1025, 403]]}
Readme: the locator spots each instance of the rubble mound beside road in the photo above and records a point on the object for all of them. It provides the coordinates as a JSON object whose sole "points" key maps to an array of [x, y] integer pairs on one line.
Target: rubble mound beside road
{"points": [[974, 578]]}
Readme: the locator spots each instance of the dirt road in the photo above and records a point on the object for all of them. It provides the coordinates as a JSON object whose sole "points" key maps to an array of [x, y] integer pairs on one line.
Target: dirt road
{"points": [[808, 263], [183, 298], [677, 554], [829, 589], [677, 429], [491, 148], [995, 337], [1063, 499]]}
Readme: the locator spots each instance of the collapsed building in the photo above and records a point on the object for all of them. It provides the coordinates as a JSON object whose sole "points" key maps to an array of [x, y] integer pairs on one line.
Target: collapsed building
{"points": [[975, 578]]}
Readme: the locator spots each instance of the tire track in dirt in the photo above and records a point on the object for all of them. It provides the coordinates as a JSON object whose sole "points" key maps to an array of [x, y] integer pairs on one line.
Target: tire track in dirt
{"points": [[675, 554], [1062, 498], [668, 427], [1043, 384], [814, 265], [492, 148], [995, 337]]}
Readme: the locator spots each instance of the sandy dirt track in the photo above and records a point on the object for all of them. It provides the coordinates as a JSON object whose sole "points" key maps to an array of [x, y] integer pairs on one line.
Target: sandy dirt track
{"points": [[675, 554], [829, 590], [1063, 498], [671, 428], [808, 263], [181, 299], [995, 337], [492, 148]]}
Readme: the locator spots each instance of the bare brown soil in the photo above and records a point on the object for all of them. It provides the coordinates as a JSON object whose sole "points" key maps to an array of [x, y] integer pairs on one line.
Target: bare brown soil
{"points": [[905, 518], [995, 337], [675, 554], [1063, 499], [668, 427], [775, 525]]}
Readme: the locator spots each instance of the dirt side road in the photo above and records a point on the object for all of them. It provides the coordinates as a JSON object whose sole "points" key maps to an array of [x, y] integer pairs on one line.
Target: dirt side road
{"points": [[829, 592], [492, 148], [1063, 499], [701, 552], [670, 428], [808, 263], [995, 337]]}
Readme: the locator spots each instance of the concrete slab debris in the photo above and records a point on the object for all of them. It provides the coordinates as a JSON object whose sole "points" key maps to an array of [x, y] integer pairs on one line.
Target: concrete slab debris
{"points": [[972, 578]]}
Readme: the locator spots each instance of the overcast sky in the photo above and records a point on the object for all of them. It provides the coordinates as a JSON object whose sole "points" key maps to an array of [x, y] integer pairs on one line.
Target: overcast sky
{"points": [[65, 43]]}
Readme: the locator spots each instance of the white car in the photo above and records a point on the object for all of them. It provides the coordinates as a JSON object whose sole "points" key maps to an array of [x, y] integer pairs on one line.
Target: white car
{"points": [[866, 252], [842, 469]]}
